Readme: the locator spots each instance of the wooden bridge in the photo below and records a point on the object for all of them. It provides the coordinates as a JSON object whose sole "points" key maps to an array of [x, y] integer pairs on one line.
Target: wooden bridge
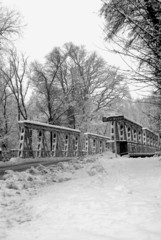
{"points": [[131, 138], [45, 140], [126, 137]]}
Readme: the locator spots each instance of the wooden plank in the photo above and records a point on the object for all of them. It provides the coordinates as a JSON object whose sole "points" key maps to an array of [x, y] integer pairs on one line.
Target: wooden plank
{"points": [[112, 118], [141, 154], [45, 126]]}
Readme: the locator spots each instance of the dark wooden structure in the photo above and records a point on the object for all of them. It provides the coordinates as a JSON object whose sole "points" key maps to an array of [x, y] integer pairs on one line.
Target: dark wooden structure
{"points": [[45, 140], [131, 138], [95, 143], [51, 140]]}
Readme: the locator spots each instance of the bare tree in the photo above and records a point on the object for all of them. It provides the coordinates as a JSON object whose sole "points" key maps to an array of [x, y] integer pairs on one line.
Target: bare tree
{"points": [[7, 116], [14, 73], [45, 81], [95, 85], [73, 86], [135, 27], [10, 25]]}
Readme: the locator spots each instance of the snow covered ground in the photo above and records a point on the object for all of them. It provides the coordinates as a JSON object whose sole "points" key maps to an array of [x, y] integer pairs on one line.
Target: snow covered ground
{"points": [[100, 197]]}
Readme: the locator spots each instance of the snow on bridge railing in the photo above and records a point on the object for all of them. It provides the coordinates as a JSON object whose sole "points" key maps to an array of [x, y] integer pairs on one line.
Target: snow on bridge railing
{"points": [[45, 126], [39, 139], [95, 143]]}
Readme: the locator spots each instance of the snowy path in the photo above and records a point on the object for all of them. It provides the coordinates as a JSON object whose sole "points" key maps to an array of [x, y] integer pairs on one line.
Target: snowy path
{"points": [[122, 201]]}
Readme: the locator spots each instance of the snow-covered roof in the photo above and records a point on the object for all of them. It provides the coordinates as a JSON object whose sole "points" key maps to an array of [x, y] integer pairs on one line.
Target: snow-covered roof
{"points": [[97, 135], [132, 121], [46, 125], [148, 130], [122, 117]]}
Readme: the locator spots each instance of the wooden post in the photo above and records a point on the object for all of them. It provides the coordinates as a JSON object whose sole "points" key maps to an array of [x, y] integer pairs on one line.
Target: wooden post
{"points": [[115, 136], [40, 143], [54, 144], [22, 141]]}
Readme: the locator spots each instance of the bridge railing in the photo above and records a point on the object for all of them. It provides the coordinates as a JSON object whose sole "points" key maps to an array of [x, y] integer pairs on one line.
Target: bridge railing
{"points": [[45, 140], [140, 148], [95, 143]]}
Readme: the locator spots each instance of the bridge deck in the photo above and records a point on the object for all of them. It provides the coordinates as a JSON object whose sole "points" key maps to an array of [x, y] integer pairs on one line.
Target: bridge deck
{"points": [[141, 154]]}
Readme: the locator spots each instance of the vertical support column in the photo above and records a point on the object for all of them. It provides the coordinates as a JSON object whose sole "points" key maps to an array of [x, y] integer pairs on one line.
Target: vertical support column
{"points": [[25, 142], [42, 148], [40, 143], [122, 132], [115, 138], [86, 144], [72, 145], [22, 142], [106, 145], [90, 144], [125, 132], [76, 146], [103, 145], [29, 150], [59, 144], [141, 132], [100, 148], [112, 130], [147, 139], [117, 132], [54, 144], [128, 133], [144, 137], [135, 135], [94, 146], [66, 145], [151, 140], [46, 152], [131, 133], [97, 145]]}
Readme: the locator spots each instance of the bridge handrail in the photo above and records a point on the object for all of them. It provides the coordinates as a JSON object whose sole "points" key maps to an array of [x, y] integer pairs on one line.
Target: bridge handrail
{"points": [[46, 126]]}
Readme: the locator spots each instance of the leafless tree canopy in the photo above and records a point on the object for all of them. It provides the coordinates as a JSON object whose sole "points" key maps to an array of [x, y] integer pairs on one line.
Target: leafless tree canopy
{"points": [[75, 84], [10, 25], [135, 26], [14, 75]]}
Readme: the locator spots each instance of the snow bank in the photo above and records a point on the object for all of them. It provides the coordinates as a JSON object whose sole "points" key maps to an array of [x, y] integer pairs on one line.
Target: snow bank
{"points": [[93, 198], [16, 160], [16, 188]]}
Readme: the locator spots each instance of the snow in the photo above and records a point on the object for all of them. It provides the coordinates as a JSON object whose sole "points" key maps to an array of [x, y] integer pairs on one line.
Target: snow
{"points": [[20, 161], [38, 124], [94, 198], [97, 135], [122, 117], [149, 131]]}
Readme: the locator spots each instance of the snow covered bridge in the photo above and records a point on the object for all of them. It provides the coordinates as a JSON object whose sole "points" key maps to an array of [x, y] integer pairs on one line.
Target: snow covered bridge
{"points": [[131, 138], [45, 140]]}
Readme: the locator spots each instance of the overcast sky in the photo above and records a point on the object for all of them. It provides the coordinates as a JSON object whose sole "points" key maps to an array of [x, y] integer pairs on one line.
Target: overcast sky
{"points": [[51, 23]]}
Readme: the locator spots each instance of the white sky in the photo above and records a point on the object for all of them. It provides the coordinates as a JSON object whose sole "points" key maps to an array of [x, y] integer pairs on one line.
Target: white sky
{"points": [[52, 23]]}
